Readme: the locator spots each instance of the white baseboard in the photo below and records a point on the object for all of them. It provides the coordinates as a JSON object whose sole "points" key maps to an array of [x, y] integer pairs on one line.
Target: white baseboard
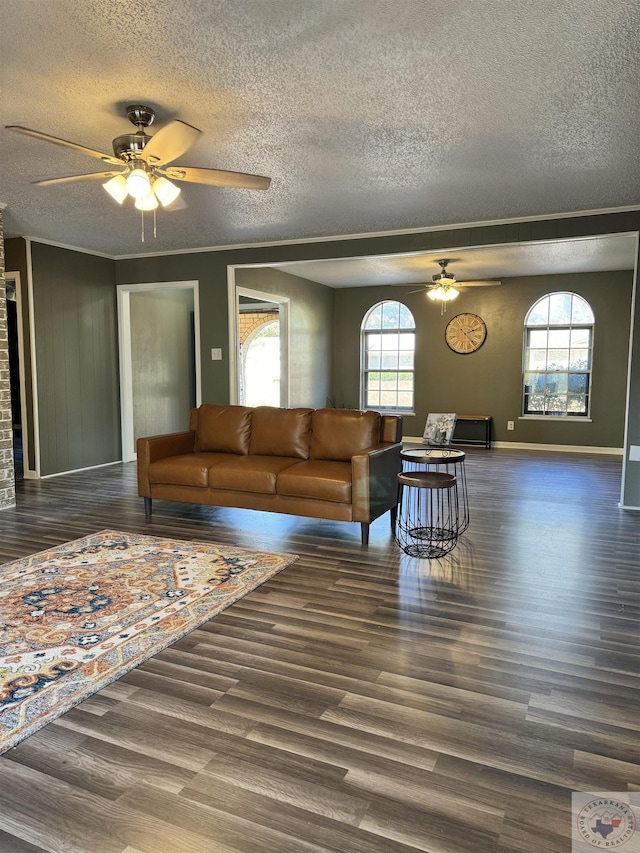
{"points": [[523, 445], [79, 470]]}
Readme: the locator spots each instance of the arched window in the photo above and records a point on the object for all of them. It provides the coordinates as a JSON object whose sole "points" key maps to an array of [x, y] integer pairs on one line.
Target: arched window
{"points": [[387, 354], [558, 346]]}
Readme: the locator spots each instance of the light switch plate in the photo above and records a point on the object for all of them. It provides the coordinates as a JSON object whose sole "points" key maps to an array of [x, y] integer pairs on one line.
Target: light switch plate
{"points": [[216, 354], [634, 453]]}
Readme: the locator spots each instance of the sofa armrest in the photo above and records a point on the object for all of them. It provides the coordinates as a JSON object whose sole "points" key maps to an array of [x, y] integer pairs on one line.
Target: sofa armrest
{"points": [[155, 447], [374, 482]]}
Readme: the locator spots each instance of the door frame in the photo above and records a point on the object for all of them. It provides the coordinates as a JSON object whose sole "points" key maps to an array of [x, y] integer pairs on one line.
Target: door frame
{"points": [[124, 292], [28, 473], [235, 291]]}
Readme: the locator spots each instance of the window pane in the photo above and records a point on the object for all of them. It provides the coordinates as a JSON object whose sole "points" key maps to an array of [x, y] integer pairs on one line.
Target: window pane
{"points": [[373, 361], [559, 309], [390, 361], [580, 337], [406, 360], [374, 320], [405, 399], [406, 317], [559, 338], [373, 342], [388, 399], [539, 314], [536, 359], [373, 399], [390, 315], [580, 359], [534, 382], [556, 405], [539, 338], [577, 405], [407, 342], [581, 311], [577, 383], [557, 383], [536, 403], [558, 359]]}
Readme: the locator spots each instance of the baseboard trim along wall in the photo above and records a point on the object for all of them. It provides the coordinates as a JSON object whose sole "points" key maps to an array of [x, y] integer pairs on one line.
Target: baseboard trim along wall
{"points": [[522, 445], [79, 470]]}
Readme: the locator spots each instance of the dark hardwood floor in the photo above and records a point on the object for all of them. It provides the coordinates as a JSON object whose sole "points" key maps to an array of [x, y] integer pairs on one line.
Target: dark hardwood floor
{"points": [[361, 701]]}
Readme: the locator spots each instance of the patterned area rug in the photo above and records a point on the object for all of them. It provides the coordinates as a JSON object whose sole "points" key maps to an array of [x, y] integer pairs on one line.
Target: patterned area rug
{"points": [[76, 617]]}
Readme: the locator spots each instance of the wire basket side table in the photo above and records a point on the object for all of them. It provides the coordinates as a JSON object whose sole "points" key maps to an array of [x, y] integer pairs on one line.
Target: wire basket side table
{"points": [[427, 523], [444, 460]]}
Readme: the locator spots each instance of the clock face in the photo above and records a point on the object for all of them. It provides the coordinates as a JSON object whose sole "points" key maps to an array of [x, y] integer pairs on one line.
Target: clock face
{"points": [[465, 333]]}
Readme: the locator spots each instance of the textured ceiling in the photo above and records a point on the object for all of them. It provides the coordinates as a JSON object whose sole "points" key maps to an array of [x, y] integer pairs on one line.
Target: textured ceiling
{"points": [[368, 115]]}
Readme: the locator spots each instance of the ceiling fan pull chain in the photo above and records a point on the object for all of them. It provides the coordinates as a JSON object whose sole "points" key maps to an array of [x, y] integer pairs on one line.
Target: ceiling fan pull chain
{"points": [[142, 226], [155, 232]]}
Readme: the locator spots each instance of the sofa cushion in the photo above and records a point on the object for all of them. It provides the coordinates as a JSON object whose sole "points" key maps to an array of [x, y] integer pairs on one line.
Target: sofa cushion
{"points": [[249, 473], [317, 479], [189, 469], [339, 434], [223, 429], [281, 432]]}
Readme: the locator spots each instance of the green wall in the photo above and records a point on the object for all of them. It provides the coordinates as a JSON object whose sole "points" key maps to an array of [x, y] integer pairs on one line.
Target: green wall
{"points": [[489, 380], [76, 359], [310, 331]]}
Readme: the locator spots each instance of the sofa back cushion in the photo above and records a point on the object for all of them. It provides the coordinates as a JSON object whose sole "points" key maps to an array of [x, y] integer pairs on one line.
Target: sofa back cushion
{"points": [[281, 432], [222, 429], [341, 433]]}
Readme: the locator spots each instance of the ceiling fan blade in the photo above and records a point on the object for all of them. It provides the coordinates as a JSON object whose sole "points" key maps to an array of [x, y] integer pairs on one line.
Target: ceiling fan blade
{"points": [[424, 289], [170, 142], [217, 178], [92, 176], [106, 158]]}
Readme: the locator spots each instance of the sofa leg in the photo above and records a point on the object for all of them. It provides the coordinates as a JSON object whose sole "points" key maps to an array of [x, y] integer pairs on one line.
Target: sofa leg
{"points": [[147, 507], [364, 528]]}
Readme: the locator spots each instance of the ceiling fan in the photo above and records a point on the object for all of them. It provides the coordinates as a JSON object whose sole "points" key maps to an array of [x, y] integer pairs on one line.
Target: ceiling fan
{"points": [[143, 162], [445, 285]]}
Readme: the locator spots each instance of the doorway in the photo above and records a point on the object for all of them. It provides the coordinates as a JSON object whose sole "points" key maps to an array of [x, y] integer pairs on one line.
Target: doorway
{"points": [[159, 359], [259, 344]]}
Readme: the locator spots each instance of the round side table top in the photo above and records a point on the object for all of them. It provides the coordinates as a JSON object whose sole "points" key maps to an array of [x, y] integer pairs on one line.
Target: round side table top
{"points": [[427, 480], [434, 454]]}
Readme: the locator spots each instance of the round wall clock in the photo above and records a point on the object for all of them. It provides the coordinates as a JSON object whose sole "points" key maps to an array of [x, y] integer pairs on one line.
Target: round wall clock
{"points": [[465, 333]]}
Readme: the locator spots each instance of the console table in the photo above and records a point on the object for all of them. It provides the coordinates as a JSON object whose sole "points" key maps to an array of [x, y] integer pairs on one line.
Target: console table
{"points": [[484, 421]]}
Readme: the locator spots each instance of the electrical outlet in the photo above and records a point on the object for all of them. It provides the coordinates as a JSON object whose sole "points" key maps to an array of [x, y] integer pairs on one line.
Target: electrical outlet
{"points": [[510, 424]]}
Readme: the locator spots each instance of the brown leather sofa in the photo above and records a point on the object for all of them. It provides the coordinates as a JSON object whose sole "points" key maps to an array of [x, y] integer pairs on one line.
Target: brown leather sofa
{"points": [[338, 464]]}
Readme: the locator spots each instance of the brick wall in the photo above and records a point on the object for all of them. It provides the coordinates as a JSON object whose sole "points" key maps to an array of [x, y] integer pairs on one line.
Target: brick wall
{"points": [[249, 321], [7, 482]]}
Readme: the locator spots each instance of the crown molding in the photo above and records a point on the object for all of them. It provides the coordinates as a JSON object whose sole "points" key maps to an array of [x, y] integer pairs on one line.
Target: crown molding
{"points": [[336, 238]]}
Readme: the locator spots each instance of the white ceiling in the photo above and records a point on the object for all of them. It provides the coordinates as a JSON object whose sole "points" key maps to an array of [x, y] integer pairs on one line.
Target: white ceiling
{"points": [[590, 254], [369, 115]]}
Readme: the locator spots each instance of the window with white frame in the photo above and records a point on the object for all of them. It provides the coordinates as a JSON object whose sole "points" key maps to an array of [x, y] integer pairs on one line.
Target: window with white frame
{"points": [[388, 340], [558, 348]]}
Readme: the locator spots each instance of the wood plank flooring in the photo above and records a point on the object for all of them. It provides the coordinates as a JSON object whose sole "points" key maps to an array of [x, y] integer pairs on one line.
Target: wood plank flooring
{"points": [[361, 701]]}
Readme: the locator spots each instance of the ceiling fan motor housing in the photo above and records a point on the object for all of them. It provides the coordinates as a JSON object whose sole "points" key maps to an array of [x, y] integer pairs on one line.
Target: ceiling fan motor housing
{"points": [[129, 145]]}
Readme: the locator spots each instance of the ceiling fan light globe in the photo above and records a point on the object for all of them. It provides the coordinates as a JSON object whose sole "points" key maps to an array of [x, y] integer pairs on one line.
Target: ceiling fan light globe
{"points": [[432, 294], [165, 191], [117, 188], [149, 202], [451, 293], [138, 184]]}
